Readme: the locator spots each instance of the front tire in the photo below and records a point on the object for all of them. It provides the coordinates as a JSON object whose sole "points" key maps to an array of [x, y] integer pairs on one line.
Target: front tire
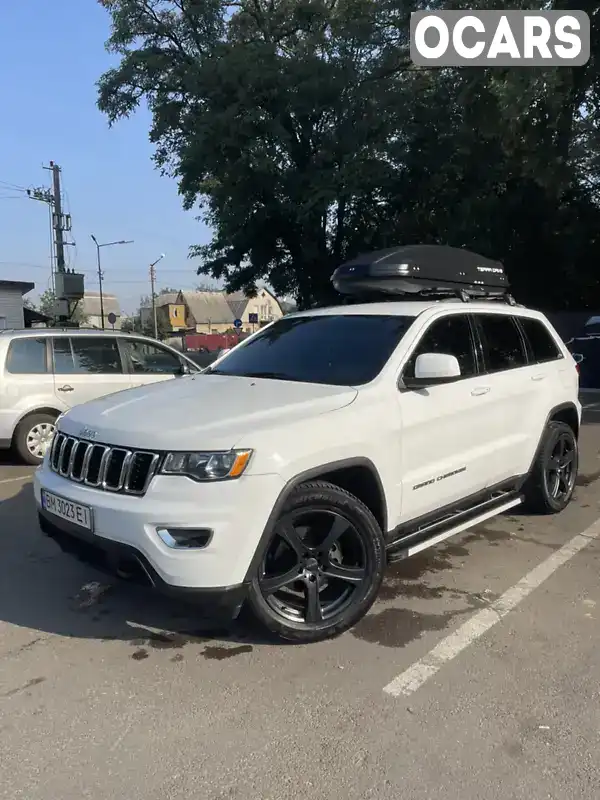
{"points": [[551, 482], [33, 437], [322, 566]]}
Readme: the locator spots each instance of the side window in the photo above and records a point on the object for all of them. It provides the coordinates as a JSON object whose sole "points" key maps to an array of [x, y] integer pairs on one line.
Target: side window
{"points": [[502, 342], [27, 357], [86, 354], [62, 356], [451, 335], [541, 342], [150, 359]]}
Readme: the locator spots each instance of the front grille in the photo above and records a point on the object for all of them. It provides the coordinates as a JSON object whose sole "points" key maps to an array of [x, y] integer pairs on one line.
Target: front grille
{"points": [[113, 469]]}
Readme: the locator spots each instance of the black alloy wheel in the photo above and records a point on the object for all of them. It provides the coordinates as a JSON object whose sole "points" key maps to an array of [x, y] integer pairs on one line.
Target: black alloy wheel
{"points": [[553, 476], [561, 468], [322, 566]]}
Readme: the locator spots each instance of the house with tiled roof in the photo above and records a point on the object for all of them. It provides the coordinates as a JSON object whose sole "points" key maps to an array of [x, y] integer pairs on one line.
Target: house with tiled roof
{"points": [[90, 308], [170, 313], [206, 312]]}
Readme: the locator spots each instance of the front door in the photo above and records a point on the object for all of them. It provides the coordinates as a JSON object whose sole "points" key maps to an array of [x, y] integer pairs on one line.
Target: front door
{"points": [[149, 362], [86, 367], [446, 440]]}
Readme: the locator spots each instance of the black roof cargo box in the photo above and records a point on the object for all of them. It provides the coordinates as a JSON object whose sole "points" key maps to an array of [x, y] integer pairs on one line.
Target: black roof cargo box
{"points": [[422, 269]]}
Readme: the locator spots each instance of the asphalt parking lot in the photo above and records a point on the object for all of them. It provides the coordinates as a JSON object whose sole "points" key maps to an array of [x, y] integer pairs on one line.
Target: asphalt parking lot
{"points": [[475, 676]]}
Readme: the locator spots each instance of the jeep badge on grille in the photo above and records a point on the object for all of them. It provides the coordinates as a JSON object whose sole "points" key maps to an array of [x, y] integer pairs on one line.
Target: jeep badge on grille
{"points": [[88, 433]]}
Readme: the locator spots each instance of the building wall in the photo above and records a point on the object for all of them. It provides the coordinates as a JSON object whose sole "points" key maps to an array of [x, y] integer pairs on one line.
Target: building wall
{"points": [[93, 321], [265, 306], [176, 313], [11, 309], [145, 316], [213, 327], [213, 342]]}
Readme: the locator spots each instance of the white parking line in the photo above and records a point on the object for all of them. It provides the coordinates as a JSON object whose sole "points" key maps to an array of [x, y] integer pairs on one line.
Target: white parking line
{"points": [[14, 480], [416, 675]]}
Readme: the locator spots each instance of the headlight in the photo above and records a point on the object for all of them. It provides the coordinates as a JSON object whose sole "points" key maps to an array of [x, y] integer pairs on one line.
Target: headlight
{"points": [[207, 466]]}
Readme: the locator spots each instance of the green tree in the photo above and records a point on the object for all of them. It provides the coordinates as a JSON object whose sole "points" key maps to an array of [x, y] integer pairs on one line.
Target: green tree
{"points": [[275, 116], [207, 286], [131, 325], [47, 305]]}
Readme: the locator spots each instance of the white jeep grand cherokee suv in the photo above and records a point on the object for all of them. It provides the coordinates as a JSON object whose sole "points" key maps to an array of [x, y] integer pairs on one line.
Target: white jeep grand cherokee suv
{"points": [[327, 444]]}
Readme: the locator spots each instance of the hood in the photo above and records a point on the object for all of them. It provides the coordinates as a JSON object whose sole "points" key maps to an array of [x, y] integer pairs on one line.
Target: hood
{"points": [[201, 412]]}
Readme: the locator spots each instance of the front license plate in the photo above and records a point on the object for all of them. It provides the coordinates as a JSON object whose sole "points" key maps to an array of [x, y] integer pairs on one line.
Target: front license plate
{"points": [[67, 510]]}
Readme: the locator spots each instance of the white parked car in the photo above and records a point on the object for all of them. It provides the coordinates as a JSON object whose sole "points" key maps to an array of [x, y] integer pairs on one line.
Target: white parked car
{"points": [[287, 475], [45, 372]]}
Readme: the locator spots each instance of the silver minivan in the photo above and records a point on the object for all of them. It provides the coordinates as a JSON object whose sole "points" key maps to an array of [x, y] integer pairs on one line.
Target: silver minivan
{"points": [[46, 371]]}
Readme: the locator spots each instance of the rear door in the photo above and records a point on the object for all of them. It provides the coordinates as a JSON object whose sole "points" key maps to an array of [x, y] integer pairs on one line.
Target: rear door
{"points": [[26, 381], [87, 367], [553, 375], [446, 440], [513, 400], [149, 362]]}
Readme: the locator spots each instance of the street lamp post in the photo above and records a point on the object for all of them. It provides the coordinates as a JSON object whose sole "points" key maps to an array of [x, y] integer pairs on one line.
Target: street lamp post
{"points": [[98, 246]]}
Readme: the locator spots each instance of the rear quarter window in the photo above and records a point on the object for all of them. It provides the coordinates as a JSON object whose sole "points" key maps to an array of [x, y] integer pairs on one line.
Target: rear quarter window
{"points": [[542, 346], [27, 357], [503, 344]]}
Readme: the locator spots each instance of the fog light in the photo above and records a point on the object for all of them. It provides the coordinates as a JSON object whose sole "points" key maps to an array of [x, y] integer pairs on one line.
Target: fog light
{"points": [[185, 538]]}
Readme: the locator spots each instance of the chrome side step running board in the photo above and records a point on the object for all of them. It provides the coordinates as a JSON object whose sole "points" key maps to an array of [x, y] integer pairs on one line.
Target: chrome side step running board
{"points": [[397, 552]]}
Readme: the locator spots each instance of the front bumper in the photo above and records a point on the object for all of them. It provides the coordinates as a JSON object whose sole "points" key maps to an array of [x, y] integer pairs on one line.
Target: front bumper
{"points": [[125, 527], [125, 562]]}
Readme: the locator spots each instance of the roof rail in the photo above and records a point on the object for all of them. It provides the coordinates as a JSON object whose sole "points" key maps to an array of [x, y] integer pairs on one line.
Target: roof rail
{"points": [[459, 294]]}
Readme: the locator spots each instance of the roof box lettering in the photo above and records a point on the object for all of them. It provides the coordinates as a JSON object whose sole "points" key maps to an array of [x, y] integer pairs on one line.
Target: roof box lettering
{"points": [[422, 270]]}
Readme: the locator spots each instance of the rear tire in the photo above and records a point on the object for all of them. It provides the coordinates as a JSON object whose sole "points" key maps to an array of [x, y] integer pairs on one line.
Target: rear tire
{"points": [[551, 482], [322, 566], [33, 436]]}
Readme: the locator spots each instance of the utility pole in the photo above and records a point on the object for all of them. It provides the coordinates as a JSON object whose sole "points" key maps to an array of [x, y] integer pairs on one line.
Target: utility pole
{"points": [[100, 276], [153, 287], [58, 218], [60, 224], [153, 296]]}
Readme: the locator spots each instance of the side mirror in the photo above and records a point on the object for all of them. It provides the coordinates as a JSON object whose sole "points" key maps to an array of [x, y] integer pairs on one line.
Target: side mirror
{"points": [[432, 369], [184, 369]]}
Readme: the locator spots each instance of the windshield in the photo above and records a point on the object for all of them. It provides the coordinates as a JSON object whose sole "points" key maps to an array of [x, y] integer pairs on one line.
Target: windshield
{"points": [[338, 349]]}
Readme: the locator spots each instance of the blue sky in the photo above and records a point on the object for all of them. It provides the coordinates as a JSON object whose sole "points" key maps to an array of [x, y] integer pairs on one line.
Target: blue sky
{"points": [[48, 101]]}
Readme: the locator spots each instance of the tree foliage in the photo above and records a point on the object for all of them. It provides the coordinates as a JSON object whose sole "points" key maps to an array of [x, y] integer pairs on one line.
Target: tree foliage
{"points": [[304, 135]]}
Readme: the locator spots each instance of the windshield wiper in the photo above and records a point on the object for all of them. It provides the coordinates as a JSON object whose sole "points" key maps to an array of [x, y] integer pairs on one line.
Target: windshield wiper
{"points": [[276, 376]]}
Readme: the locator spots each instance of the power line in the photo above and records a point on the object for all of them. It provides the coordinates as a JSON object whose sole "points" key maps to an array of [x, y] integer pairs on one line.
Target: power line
{"points": [[13, 186], [24, 264]]}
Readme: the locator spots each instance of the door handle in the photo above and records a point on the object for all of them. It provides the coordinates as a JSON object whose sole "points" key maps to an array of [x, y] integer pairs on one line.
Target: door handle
{"points": [[65, 388], [480, 390], [538, 377]]}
